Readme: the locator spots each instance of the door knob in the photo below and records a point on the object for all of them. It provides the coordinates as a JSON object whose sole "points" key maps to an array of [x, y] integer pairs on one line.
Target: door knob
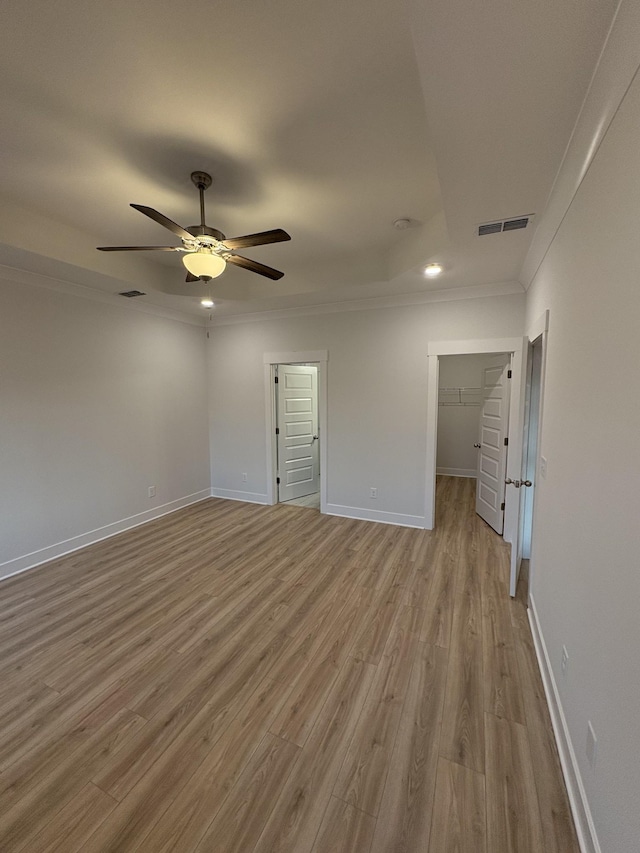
{"points": [[477, 445], [527, 483], [315, 438], [510, 482]]}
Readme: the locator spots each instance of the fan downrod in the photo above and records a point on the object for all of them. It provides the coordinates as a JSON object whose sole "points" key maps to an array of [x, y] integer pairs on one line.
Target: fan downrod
{"points": [[202, 180]]}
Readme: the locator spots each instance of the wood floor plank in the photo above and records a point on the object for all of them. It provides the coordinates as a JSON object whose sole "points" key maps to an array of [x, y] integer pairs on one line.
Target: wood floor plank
{"points": [[463, 725], [21, 822], [64, 714], [295, 819], [439, 601], [555, 812], [404, 819], [222, 690], [364, 771], [513, 815], [311, 687], [186, 820], [459, 812], [43, 760], [133, 819], [70, 829], [239, 822], [344, 829], [502, 690]]}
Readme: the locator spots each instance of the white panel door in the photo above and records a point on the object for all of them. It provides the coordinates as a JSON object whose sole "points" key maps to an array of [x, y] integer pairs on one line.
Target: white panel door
{"points": [[492, 453], [297, 410]]}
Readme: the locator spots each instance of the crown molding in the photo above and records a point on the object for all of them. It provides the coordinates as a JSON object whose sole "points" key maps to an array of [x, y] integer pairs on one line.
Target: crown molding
{"points": [[479, 291], [34, 279], [615, 72]]}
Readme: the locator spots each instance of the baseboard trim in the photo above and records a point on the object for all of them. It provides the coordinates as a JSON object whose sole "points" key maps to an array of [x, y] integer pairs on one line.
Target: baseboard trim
{"points": [[67, 546], [585, 828], [457, 472], [245, 497], [375, 515]]}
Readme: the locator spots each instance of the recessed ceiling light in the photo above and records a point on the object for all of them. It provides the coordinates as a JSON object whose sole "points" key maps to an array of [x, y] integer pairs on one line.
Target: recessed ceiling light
{"points": [[206, 303], [432, 270]]}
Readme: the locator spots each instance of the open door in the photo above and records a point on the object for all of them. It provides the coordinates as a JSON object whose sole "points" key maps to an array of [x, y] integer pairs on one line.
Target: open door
{"points": [[492, 450], [533, 356], [297, 430]]}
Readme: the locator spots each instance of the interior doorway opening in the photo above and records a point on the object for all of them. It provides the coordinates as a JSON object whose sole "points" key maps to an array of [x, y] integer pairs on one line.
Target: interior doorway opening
{"points": [[473, 424], [513, 412]]}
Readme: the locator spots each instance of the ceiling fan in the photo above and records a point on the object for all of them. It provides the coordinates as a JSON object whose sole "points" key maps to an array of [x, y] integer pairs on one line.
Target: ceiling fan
{"points": [[207, 250]]}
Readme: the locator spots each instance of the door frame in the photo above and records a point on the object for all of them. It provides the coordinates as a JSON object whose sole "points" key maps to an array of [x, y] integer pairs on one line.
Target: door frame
{"points": [[320, 358], [515, 346]]}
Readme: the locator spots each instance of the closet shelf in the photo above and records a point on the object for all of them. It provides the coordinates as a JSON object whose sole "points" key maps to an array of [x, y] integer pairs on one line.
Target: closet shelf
{"points": [[459, 396]]}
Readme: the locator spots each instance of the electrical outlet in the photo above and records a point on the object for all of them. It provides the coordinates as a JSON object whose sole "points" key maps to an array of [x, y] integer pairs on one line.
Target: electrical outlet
{"points": [[244, 477], [373, 492], [592, 745], [543, 466], [151, 491], [565, 660]]}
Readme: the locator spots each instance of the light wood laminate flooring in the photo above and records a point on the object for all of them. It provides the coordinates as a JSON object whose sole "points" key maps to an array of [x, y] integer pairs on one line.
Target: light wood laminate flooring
{"points": [[238, 678]]}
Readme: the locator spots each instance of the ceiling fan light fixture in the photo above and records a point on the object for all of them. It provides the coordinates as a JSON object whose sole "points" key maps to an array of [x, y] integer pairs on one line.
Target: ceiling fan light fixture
{"points": [[204, 265], [432, 270], [207, 303]]}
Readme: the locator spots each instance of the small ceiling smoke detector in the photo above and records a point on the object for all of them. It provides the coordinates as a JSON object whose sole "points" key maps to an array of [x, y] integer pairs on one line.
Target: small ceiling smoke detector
{"points": [[432, 270], [206, 303], [402, 224]]}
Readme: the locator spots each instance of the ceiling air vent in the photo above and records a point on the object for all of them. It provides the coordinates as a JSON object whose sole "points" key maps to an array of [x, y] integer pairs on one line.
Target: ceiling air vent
{"points": [[505, 225], [514, 224], [491, 228], [131, 293]]}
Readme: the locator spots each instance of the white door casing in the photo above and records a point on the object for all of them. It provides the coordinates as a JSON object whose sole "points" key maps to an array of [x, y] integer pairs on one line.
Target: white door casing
{"points": [[297, 425], [494, 429]]}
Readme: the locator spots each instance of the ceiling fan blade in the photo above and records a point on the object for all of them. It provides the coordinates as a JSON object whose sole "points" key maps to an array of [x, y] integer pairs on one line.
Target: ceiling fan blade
{"points": [[137, 249], [254, 266], [190, 277], [275, 236], [163, 220]]}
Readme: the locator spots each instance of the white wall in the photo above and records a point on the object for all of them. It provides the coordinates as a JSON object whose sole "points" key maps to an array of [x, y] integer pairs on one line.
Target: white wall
{"points": [[377, 377], [458, 425], [98, 402], [586, 541]]}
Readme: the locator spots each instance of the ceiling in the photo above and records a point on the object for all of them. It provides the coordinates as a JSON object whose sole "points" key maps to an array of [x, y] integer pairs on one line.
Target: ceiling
{"points": [[329, 119]]}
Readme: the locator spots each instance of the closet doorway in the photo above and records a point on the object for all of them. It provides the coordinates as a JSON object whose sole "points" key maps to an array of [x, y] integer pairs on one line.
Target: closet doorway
{"points": [[516, 348], [473, 423]]}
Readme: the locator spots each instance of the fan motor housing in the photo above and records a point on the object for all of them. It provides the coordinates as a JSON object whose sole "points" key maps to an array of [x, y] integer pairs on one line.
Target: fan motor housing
{"points": [[205, 231]]}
